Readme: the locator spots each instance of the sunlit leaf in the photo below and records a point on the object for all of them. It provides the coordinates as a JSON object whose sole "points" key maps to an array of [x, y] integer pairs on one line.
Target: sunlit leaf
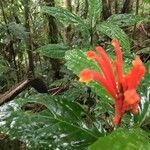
{"points": [[124, 20], [95, 8], [61, 125], [65, 16], [53, 50], [123, 139], [114, 32], [77, 61], [143, 118]]}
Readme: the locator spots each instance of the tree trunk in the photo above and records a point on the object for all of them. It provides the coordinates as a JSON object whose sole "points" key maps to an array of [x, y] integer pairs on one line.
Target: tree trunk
{"points": [[10, 52], [116, 6], [106, 9], [53, 39], [85, 11], [127, 6], [29, 40], [68, 35]]}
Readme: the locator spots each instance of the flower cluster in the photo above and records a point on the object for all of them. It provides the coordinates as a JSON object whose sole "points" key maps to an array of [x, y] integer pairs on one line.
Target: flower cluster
{"points": [[121, 87]]}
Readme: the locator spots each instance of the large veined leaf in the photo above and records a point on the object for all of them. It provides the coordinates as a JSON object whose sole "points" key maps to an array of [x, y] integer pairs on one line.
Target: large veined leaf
{"points": [[123, 20], [60, 126], [77, 61], [123, 139], [113, 31], [66, 17], [143, 119], [95, 8], [53, 50]]}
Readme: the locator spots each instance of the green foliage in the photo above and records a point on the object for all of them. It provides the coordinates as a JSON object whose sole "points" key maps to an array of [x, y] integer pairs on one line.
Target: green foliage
{"points": [[95, 8], [147, 1], [77, 61], [145, 50], [91, 25], [143, 119], [123, 139], [3, 67], [114, 32], [17, 30], [60, 125], [75, 118], [66, 17], [53, 50], [124, 20]]}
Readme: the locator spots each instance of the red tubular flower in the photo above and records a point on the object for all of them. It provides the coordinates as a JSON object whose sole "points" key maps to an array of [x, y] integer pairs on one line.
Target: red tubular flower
{"points": [[121, 87]]}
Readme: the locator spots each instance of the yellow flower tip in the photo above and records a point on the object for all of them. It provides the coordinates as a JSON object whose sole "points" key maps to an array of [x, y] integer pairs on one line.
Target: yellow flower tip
{"points": [[114, 42], [83, 80], [86, 76], [131, 97], [137, 61], [90, 55]]}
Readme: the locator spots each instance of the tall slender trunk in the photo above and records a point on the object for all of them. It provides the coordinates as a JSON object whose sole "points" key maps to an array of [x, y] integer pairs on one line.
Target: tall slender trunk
{"points": [[29, 39], [17, 20], [116, 6], [53, 39], [10, 48], [136, 13], [77, 7], [68, 37], [127, 6], [106, 9]]}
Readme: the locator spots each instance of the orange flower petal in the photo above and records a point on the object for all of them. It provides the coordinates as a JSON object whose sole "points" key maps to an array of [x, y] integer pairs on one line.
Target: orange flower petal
{"points": [[116, 45], [135, 108], [86, 76], [119, 61], [131, 97], [107, 65], [136, 73], [90, 55], [118, 111]]}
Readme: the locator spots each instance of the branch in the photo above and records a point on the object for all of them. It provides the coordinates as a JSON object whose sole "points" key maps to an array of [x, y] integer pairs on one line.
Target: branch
{"points": [[37, 84]]}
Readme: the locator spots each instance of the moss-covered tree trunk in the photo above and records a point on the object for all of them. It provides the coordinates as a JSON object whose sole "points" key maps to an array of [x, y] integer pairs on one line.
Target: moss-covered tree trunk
{"points": [[53, 39], [29, 39]]}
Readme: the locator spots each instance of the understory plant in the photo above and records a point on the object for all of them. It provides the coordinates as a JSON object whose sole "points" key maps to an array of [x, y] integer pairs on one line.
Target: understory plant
{"points": [[79, 116], [58, 122]]}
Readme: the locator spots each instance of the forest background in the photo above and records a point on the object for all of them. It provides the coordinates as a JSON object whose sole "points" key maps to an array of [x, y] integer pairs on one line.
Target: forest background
{"points": [[42, 51]]}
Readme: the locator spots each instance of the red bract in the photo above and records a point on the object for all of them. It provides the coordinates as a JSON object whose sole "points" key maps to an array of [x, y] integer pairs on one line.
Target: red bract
{"points": [[122, 87]]}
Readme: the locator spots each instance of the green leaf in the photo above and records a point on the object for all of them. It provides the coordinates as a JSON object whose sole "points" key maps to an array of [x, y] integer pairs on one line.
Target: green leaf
{"points": [[53, 50], [2, 69], [66, 17], [95, 8], [143, 118], [114, 32], [17, 30], [77, 61], [123, 139], [61, 125], [124, 20], [145, 50]]}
